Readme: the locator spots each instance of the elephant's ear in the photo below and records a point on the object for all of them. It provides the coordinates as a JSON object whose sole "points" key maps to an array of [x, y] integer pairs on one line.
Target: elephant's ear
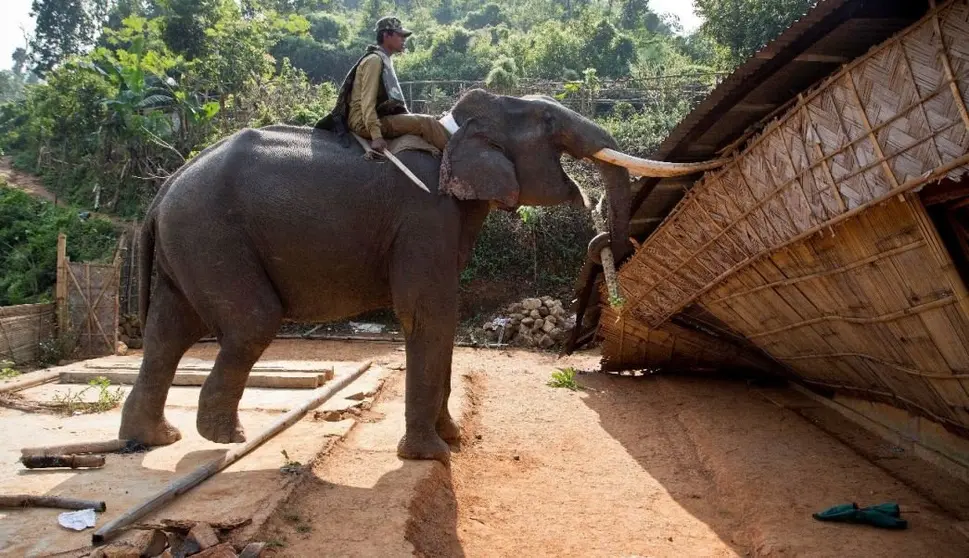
{"points": [[474, 167]]}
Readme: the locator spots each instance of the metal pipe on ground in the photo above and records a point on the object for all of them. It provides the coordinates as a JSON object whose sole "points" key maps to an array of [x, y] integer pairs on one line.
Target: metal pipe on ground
{"points": [[189, 481]]}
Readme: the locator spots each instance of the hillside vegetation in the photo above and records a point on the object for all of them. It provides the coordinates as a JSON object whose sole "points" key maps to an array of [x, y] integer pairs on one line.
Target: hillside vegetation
{"points": [[109, 97]]}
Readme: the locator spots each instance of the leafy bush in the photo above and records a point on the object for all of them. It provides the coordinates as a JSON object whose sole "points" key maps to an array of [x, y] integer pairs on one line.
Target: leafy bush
{"points": [[28, 245]]}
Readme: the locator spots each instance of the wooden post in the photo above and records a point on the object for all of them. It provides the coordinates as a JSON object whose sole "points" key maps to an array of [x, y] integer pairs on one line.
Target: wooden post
{"points": [[118, 260], [90, 309], [63, 316]]}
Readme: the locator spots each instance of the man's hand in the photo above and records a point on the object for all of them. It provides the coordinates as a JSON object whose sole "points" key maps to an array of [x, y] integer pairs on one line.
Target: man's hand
{"points": [[378, 144]]}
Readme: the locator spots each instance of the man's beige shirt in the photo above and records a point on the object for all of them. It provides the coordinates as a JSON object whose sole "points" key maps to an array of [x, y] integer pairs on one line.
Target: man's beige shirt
{"points": [[363, 98]]}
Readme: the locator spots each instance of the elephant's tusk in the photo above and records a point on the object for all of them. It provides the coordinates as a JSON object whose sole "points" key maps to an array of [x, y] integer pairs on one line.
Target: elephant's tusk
{"points": [[658, 169]]}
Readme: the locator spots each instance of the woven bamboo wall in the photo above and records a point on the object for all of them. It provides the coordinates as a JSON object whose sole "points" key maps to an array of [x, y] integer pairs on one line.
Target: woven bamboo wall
{"points": [[870, 310], [884, 125], [813, 242], [22, 329], [631, 345]]}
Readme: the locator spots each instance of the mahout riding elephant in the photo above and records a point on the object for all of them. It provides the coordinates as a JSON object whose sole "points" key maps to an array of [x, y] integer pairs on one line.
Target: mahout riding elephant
{"points": [[286, 223]]}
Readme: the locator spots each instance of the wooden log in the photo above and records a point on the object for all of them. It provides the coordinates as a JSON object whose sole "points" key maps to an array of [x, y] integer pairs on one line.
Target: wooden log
{"points": [[284, 380], [29, 381], [54, 461], [27, 501], [81, 447], [189, 481]]}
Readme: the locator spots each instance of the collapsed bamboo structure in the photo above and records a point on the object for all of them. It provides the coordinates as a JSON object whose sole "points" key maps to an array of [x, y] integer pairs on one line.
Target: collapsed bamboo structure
{"points": [[824, 244]]}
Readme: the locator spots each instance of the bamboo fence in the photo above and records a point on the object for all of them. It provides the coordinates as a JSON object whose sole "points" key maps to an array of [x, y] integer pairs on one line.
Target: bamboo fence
{"points": [[22, 329], [813, 243]]}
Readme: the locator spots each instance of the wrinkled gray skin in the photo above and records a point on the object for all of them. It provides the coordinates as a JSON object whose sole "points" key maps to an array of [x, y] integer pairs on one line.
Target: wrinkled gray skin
{"points": [[284, 223]]}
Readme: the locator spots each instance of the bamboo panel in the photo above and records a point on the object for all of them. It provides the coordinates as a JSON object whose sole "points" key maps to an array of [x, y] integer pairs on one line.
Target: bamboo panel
{"points": [[884, 125], [631, 345], [22, 329], [871, 309], [93, 306]]}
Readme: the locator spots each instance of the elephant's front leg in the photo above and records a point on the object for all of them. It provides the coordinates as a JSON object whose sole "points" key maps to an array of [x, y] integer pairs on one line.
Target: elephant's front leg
{"points": [[446, 427], [425, 300], [428, 364]]}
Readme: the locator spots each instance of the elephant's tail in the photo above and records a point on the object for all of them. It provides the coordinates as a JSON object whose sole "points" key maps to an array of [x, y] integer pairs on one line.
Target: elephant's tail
{"points": [[146, 260]]}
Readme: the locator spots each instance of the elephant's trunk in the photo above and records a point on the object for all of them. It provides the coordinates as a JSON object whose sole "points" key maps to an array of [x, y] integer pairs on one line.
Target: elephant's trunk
{"points": [[584, 139], [618, 195]]}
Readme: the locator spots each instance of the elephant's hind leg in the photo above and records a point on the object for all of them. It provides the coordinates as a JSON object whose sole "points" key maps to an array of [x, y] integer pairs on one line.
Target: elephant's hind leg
{"points": [[172, 326], [248, 317]]}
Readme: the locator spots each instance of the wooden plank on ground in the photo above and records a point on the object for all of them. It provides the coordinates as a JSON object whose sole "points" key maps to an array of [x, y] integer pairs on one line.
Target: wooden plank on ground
{"points": [[28, 381], [196, 365], [284, 380]]}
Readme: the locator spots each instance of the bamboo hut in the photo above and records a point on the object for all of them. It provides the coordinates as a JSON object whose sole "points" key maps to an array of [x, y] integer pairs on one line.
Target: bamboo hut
{"points": [[833, 247]]}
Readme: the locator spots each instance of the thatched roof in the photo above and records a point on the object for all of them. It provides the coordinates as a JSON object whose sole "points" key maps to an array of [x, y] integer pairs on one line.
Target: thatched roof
{"points": [[833, 33], [814, 245]]}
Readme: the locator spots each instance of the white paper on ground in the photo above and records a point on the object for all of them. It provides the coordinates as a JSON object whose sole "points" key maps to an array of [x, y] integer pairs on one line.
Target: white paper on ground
{"points": [[363, 327], [77, 520]]}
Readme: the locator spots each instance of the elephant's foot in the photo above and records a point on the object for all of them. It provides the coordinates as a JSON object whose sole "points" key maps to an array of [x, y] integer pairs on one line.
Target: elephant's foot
{"points": [[424, 446], [448, 430], [150, 432], [219, 425]]}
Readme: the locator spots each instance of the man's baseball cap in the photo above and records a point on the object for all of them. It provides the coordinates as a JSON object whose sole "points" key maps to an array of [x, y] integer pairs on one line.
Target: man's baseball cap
{"points": [[392, 24]]}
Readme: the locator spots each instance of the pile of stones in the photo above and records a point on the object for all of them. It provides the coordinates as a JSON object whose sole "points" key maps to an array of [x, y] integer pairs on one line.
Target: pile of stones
{"points": [[129, 331], [534, 322]]}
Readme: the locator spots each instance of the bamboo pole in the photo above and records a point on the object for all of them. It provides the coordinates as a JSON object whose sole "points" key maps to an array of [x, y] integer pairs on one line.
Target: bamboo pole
{"points": [[27, 501], [81, 447], [187, 482], [61, 290], [820, 274]]}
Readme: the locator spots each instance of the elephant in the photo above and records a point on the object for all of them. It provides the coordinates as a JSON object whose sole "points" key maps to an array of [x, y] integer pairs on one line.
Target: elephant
{"points": [[286, 223]]}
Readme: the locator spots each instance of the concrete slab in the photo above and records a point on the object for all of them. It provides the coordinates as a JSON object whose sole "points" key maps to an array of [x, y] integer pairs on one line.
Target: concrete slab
{"points": [[249, 489]]}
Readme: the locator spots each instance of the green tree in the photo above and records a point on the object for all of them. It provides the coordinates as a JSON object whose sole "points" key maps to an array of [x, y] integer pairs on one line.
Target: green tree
{"points": [[186, 22], [491, 15], [445, 12], [62, 28], [744, 26]]}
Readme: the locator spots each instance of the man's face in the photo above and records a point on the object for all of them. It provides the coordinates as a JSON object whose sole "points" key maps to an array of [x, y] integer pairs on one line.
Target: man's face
{"points": [[394, 43]]}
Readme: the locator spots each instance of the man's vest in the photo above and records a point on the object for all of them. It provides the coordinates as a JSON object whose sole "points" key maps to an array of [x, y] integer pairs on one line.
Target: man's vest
{"points": [[389, 101]]}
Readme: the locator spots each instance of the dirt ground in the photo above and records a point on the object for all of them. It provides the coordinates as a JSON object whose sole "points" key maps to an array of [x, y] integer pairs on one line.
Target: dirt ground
{"points": [[628, 466], [246, 493]]}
